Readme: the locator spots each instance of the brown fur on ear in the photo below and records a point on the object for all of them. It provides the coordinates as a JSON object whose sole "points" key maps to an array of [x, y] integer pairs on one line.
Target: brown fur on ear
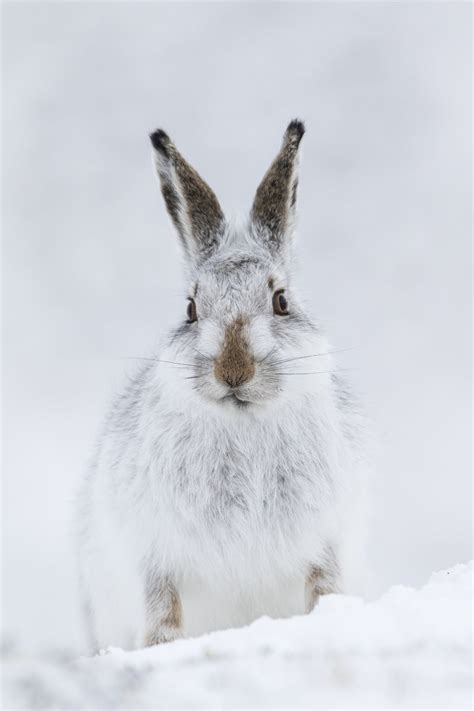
{"points": [[191, 203], [275, 199]]}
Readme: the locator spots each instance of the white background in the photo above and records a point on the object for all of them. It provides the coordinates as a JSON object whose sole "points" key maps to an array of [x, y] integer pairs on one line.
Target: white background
{"points": [[91, 264]]}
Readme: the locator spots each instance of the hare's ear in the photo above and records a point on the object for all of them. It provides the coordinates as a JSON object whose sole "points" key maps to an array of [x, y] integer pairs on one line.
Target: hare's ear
{"points": [[274, 207], [191, 204]]}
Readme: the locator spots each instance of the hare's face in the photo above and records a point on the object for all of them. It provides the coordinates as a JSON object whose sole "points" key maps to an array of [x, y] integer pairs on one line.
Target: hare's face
{"points": [[243, 321]]}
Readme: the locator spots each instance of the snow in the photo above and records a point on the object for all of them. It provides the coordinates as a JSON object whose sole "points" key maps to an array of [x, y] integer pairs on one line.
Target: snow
{"points": [[410, 648]]}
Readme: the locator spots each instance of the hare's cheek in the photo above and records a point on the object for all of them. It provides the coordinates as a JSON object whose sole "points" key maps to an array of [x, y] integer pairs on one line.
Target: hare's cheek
{"points": [[210, 337], [260, 337]]}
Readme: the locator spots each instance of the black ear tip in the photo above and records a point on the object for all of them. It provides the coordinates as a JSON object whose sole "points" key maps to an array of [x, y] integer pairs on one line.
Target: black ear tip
{"points": [[160, 140], [295, 130]]}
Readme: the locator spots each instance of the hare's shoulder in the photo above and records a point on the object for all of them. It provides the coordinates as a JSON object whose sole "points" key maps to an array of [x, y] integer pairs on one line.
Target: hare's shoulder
{"points": [[123, 425], [129, 403]]}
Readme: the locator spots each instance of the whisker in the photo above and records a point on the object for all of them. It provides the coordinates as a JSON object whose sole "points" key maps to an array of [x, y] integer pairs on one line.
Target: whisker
{"points": [[160, 360], [269, 354], [202, 354], [316, 372], [312, 355]]}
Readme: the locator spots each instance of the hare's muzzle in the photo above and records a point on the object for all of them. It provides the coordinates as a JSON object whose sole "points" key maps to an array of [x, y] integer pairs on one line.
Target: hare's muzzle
{"points": [[235, 364]]}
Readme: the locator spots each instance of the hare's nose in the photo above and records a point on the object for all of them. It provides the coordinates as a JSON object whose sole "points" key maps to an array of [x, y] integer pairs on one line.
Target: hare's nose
{"points": [[235, 379], [234, 375], [235, 364]]}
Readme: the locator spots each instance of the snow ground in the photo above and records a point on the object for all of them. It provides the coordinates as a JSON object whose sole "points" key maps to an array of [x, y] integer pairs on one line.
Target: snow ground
{"points": [[410, 648]]}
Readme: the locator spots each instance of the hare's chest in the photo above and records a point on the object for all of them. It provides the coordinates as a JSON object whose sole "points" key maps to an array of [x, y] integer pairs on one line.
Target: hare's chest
{"points": [[238, 510], [236, 504], [239, 487]]}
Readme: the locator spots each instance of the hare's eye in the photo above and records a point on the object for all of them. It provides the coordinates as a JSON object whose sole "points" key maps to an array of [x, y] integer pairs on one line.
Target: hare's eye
{"points": [[191, 312], [280, 303]]}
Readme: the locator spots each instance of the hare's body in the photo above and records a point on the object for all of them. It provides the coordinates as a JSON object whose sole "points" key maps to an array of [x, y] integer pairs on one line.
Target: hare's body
{"points": [[224, 486], [234, 509]]}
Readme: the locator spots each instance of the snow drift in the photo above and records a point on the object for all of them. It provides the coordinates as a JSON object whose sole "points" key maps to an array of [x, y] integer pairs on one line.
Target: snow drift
{"points": [[409, 648]]}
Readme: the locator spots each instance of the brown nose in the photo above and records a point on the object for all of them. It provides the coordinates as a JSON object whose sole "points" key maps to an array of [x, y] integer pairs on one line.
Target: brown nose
{"points": [[235, 365]]}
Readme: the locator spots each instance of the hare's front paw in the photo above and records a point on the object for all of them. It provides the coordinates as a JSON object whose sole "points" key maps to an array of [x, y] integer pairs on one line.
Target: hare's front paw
{"points": [[164, 614], [322, 579], [162, 635]]}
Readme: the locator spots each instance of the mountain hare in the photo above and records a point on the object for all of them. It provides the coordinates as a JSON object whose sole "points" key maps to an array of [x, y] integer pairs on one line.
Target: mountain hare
{"points": [[229, 478]]}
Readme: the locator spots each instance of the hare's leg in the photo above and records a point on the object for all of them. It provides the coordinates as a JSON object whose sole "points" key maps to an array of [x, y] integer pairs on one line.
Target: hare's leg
{"points": [[322, 579], [163, 610]]}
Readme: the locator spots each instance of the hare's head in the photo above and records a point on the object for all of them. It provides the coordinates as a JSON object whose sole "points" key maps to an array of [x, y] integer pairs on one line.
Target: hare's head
{"points": [[242, 324]]}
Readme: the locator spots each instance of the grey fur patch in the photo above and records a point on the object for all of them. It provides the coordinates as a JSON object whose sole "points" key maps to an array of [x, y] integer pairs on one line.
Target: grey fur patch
{"points": [[178, 333], [171, 199], [294, 192], [238, 263]]}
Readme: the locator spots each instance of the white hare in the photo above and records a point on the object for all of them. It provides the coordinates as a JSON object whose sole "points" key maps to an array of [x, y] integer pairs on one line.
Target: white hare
{"points": [[229, 478]]}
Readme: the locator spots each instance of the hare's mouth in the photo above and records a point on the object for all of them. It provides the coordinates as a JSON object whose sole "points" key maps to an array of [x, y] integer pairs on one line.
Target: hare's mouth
{"points": [[237, 401]]}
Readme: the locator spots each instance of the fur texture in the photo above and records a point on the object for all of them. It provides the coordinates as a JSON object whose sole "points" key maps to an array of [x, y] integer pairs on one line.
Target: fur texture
{"points": [[229, 479]]}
